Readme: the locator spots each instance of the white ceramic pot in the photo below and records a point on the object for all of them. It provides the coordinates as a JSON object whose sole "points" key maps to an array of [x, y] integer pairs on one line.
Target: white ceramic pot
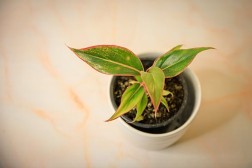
{"points": [[163, 140]]}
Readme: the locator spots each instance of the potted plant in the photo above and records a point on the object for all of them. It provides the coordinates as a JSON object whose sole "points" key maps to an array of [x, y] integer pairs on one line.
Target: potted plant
{"points": [[155, 98]]}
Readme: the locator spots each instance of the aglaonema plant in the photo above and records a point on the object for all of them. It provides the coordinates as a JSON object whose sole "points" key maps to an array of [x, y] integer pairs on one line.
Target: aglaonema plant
{"points": [[120, 61]]}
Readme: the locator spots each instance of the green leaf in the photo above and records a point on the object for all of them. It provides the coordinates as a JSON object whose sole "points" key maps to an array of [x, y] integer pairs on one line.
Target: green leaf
{"points": [[167, 53], [175, 48], [110, 59], [167, 92], [130, 98], [164, 102], [133, 81], [140, 118], [154, 83], [138, 78], [176, 60], [140, 108]]}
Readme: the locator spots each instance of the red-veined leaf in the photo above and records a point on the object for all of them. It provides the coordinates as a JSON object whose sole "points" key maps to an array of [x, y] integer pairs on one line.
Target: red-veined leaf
{"points": [[111, 59], [154, 82]]}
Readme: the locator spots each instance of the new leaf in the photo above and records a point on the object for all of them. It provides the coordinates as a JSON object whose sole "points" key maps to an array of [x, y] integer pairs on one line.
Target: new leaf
{"points": [[154, 82], [140, 108], [164, 102]]}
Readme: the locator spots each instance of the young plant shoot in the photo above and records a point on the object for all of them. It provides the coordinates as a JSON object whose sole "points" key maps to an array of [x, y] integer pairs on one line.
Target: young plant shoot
{"points": [[119, 61]]}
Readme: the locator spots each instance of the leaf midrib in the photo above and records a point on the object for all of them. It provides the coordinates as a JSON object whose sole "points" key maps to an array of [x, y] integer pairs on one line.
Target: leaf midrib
{"points": [[127, 66], [179, 60], [134, 93], [154, 91]]}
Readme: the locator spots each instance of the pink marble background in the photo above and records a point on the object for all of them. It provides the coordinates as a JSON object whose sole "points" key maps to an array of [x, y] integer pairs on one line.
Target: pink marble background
{"points": [[53, 106]]}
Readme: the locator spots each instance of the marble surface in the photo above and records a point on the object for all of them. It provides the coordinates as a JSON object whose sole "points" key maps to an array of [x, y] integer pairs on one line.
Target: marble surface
{"points": [[53, 106]]}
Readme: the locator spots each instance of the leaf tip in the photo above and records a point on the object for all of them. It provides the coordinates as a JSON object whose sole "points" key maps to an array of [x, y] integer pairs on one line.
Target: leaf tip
{"points": [[180, 45], [72, 49], [113, 117], [107, 120], [110, 119], [207, 48]]}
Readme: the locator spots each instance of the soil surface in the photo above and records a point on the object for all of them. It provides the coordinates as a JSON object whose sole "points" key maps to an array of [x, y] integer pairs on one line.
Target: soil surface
{"points": [[174, 85]]}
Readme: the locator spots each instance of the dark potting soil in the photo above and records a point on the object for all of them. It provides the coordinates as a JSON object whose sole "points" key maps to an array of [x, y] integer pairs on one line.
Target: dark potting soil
{"points": [[174, 85]]}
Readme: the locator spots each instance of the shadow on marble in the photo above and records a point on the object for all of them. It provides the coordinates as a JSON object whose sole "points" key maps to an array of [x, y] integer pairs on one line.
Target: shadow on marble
{"points": [[221, 101]]}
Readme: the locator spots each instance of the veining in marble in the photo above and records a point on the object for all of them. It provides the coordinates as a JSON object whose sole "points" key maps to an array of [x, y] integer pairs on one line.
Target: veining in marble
{"points": [[53, 106]]}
